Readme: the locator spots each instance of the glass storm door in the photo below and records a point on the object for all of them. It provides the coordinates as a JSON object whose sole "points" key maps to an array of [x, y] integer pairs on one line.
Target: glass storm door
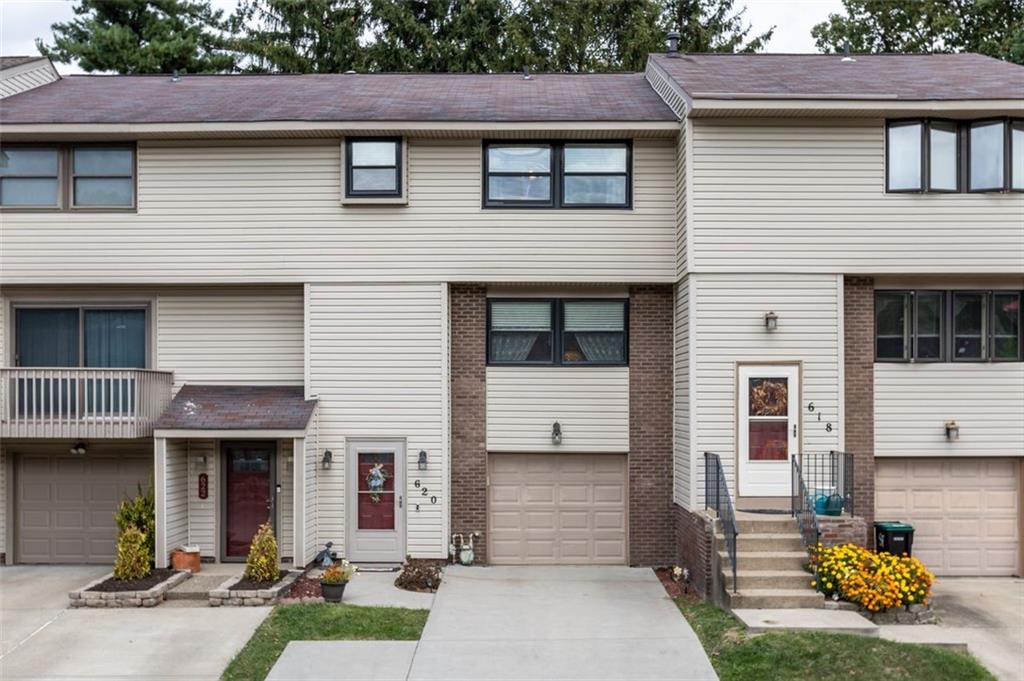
{"points": [[376, 504], [248, 493], [769, 403]]}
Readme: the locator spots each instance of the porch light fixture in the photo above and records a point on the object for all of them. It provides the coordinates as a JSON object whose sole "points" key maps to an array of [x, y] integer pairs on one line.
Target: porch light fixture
{"points": [[328, 458], [952, 431], [771, 321], [422, 462], [78, 449], [556, 433]]}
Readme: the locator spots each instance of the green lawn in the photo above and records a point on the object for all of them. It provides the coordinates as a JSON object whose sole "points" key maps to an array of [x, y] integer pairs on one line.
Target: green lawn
{"points": [[802, 656], [320, 622]]}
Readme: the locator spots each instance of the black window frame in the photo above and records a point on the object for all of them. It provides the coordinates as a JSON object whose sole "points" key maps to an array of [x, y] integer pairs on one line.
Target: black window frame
{"points": [[1012, 124], [1007, 163], [943, 124], [398, 192], [558, 332], [556, 174], [924, 145], [947, 326]]}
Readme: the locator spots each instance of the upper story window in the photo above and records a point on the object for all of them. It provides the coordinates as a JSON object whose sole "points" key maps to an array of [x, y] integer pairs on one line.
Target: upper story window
{"points": [[949, 156], [373, 168], [557, 175], [80, 337], [567, 332], [61, 177], [957, 326]]}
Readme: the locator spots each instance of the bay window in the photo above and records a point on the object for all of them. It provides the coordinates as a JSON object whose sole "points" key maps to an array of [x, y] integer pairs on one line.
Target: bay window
{"points": [[986, 149], [905, 156]]}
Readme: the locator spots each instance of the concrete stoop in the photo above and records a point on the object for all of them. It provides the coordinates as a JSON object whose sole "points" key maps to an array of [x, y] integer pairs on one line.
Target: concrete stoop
{"points": [[760, 621]]}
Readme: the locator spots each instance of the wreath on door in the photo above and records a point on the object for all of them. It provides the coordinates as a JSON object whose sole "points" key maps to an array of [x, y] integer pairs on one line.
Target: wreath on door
{"points": [[375, 480]]}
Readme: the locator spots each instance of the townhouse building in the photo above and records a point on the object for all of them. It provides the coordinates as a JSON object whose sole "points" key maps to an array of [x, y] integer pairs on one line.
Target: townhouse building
{"points": [[531, 302]]}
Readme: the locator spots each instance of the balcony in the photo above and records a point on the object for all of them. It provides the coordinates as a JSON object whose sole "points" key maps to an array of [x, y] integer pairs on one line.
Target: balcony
{"points": [[67, 403]]}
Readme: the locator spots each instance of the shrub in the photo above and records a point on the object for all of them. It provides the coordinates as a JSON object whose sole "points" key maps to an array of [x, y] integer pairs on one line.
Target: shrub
{"points": [[133, 558], [418, 575], [139, 512], [339, 573], [262, 564], [877, 581]]}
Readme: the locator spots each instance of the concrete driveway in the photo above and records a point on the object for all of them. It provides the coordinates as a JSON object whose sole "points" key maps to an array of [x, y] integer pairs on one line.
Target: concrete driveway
{"points": [[988, 615], [43, 639], [556, 623]]}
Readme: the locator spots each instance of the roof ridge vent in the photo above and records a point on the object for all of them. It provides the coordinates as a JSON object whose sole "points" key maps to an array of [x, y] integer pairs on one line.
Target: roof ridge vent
{"points": [[673, 43], [526, 73], [176, 76], [847, 57]]}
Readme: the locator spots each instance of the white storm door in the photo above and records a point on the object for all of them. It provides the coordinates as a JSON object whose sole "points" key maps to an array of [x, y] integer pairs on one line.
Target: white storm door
{"points": [[769, 407], [375, 513]]}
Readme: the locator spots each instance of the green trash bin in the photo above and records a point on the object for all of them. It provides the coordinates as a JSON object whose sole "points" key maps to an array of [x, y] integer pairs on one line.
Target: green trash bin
{"points": [[894, 537]]}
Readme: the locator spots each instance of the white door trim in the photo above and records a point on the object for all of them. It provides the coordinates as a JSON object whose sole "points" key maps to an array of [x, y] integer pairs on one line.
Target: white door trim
{"points": [[374, 546], [766, 478]]}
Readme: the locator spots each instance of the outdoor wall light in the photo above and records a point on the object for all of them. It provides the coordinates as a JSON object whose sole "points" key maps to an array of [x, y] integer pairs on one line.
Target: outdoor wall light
{"points": [[328, 458], [556, 433], [771, 321], [952, 431], [422, 462], [78, 449]]}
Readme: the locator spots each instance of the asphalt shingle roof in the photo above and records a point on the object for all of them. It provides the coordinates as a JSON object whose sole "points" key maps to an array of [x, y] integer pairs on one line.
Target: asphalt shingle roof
{"points": [[237, 407], [339, 97], [871, 76]]}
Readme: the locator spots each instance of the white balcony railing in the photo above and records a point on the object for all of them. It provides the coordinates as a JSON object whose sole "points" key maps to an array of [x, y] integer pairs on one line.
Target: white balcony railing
{"points": [[82, 403]]}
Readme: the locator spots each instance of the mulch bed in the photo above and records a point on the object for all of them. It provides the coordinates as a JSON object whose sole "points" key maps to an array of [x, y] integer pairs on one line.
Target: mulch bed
{"points": [[245, 584], [673, 588], [305, 587], [154, 578]]}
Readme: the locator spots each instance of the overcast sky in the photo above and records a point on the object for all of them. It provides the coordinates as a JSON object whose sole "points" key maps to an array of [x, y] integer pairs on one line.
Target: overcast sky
{"points": [[22, 21]]}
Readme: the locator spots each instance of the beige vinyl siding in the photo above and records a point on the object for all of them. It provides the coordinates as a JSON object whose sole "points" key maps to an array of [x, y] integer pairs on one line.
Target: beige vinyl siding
{"points": [[376, 363], [202, 513], [914, 401], [3, 505], [176, 486], [683, 459], [728, 315], [271, 211], [285, 501], [312, 466], [26, 77], [809, 196], [590, 403], [231, 336]]}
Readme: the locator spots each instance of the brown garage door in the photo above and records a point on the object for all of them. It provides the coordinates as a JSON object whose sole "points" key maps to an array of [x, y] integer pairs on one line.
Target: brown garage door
{"points": [[965, 512], [557, 509], [65, 504]]}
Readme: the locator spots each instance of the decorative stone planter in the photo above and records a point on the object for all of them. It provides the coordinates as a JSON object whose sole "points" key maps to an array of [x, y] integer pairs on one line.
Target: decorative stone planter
{"points": [[917, 613], [85, 598], [224, 595]]}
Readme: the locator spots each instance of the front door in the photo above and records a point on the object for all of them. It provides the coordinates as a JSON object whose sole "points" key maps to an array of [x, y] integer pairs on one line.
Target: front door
{"points": [[376, 504], [769, 404], [248, 493]]}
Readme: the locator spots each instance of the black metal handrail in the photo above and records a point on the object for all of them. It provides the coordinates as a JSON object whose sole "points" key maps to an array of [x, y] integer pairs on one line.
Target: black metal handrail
{"points": [[829, 480], [716, 497], [802, 505]]}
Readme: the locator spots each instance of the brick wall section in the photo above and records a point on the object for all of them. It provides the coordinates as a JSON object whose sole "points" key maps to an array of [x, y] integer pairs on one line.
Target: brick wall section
{"points": [[468, 312], [859, 359], [836, 530], [693, 548], [651, 520]]}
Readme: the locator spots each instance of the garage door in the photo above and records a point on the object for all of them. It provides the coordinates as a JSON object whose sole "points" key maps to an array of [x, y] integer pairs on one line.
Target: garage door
{"points": [[965, 511], [65, 504], [557, 509]]}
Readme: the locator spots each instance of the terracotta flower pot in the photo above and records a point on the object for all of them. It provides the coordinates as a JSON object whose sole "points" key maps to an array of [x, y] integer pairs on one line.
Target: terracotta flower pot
{"points": [[332, 593], [185, 560]]}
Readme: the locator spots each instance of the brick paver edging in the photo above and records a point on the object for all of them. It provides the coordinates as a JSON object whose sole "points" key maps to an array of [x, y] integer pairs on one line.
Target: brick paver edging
{"points": [[223, 595], [84, 598]]}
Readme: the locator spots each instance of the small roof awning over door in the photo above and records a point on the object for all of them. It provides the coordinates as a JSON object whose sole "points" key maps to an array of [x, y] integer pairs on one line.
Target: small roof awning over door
{"points": [[236, 411]]}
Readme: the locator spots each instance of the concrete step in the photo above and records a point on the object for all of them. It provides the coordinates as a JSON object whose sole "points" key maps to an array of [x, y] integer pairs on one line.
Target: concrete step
{"points": [[770, 579], [754, 524], [780, 599], [769, 541], [175, 595], [765, 560], [817, 620]]}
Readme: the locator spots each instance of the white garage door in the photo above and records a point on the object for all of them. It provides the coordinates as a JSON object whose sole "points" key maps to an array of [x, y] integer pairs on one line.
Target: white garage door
{"points": [[65, 503], [965, 512], [557, 509]]}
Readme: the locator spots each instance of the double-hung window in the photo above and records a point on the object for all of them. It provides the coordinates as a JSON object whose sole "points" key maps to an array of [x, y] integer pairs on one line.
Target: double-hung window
{"points": [[557, 175], [373, 168], [574, 332], [956, 326], [67, 177]]}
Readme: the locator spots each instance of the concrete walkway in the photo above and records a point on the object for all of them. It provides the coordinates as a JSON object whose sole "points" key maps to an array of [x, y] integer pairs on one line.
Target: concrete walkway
{"points": [[43, 639], [504, 623]]}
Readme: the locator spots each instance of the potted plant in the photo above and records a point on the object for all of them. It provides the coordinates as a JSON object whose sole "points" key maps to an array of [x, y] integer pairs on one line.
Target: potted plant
{"points": [[334, 579]]}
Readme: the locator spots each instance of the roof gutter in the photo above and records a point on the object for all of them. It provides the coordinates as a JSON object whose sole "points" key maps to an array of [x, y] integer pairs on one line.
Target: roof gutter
{"points": [[849, 106]]}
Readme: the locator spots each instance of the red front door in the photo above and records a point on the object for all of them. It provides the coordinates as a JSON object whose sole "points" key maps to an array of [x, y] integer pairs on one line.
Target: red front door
{"points": [[248, 492]]}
